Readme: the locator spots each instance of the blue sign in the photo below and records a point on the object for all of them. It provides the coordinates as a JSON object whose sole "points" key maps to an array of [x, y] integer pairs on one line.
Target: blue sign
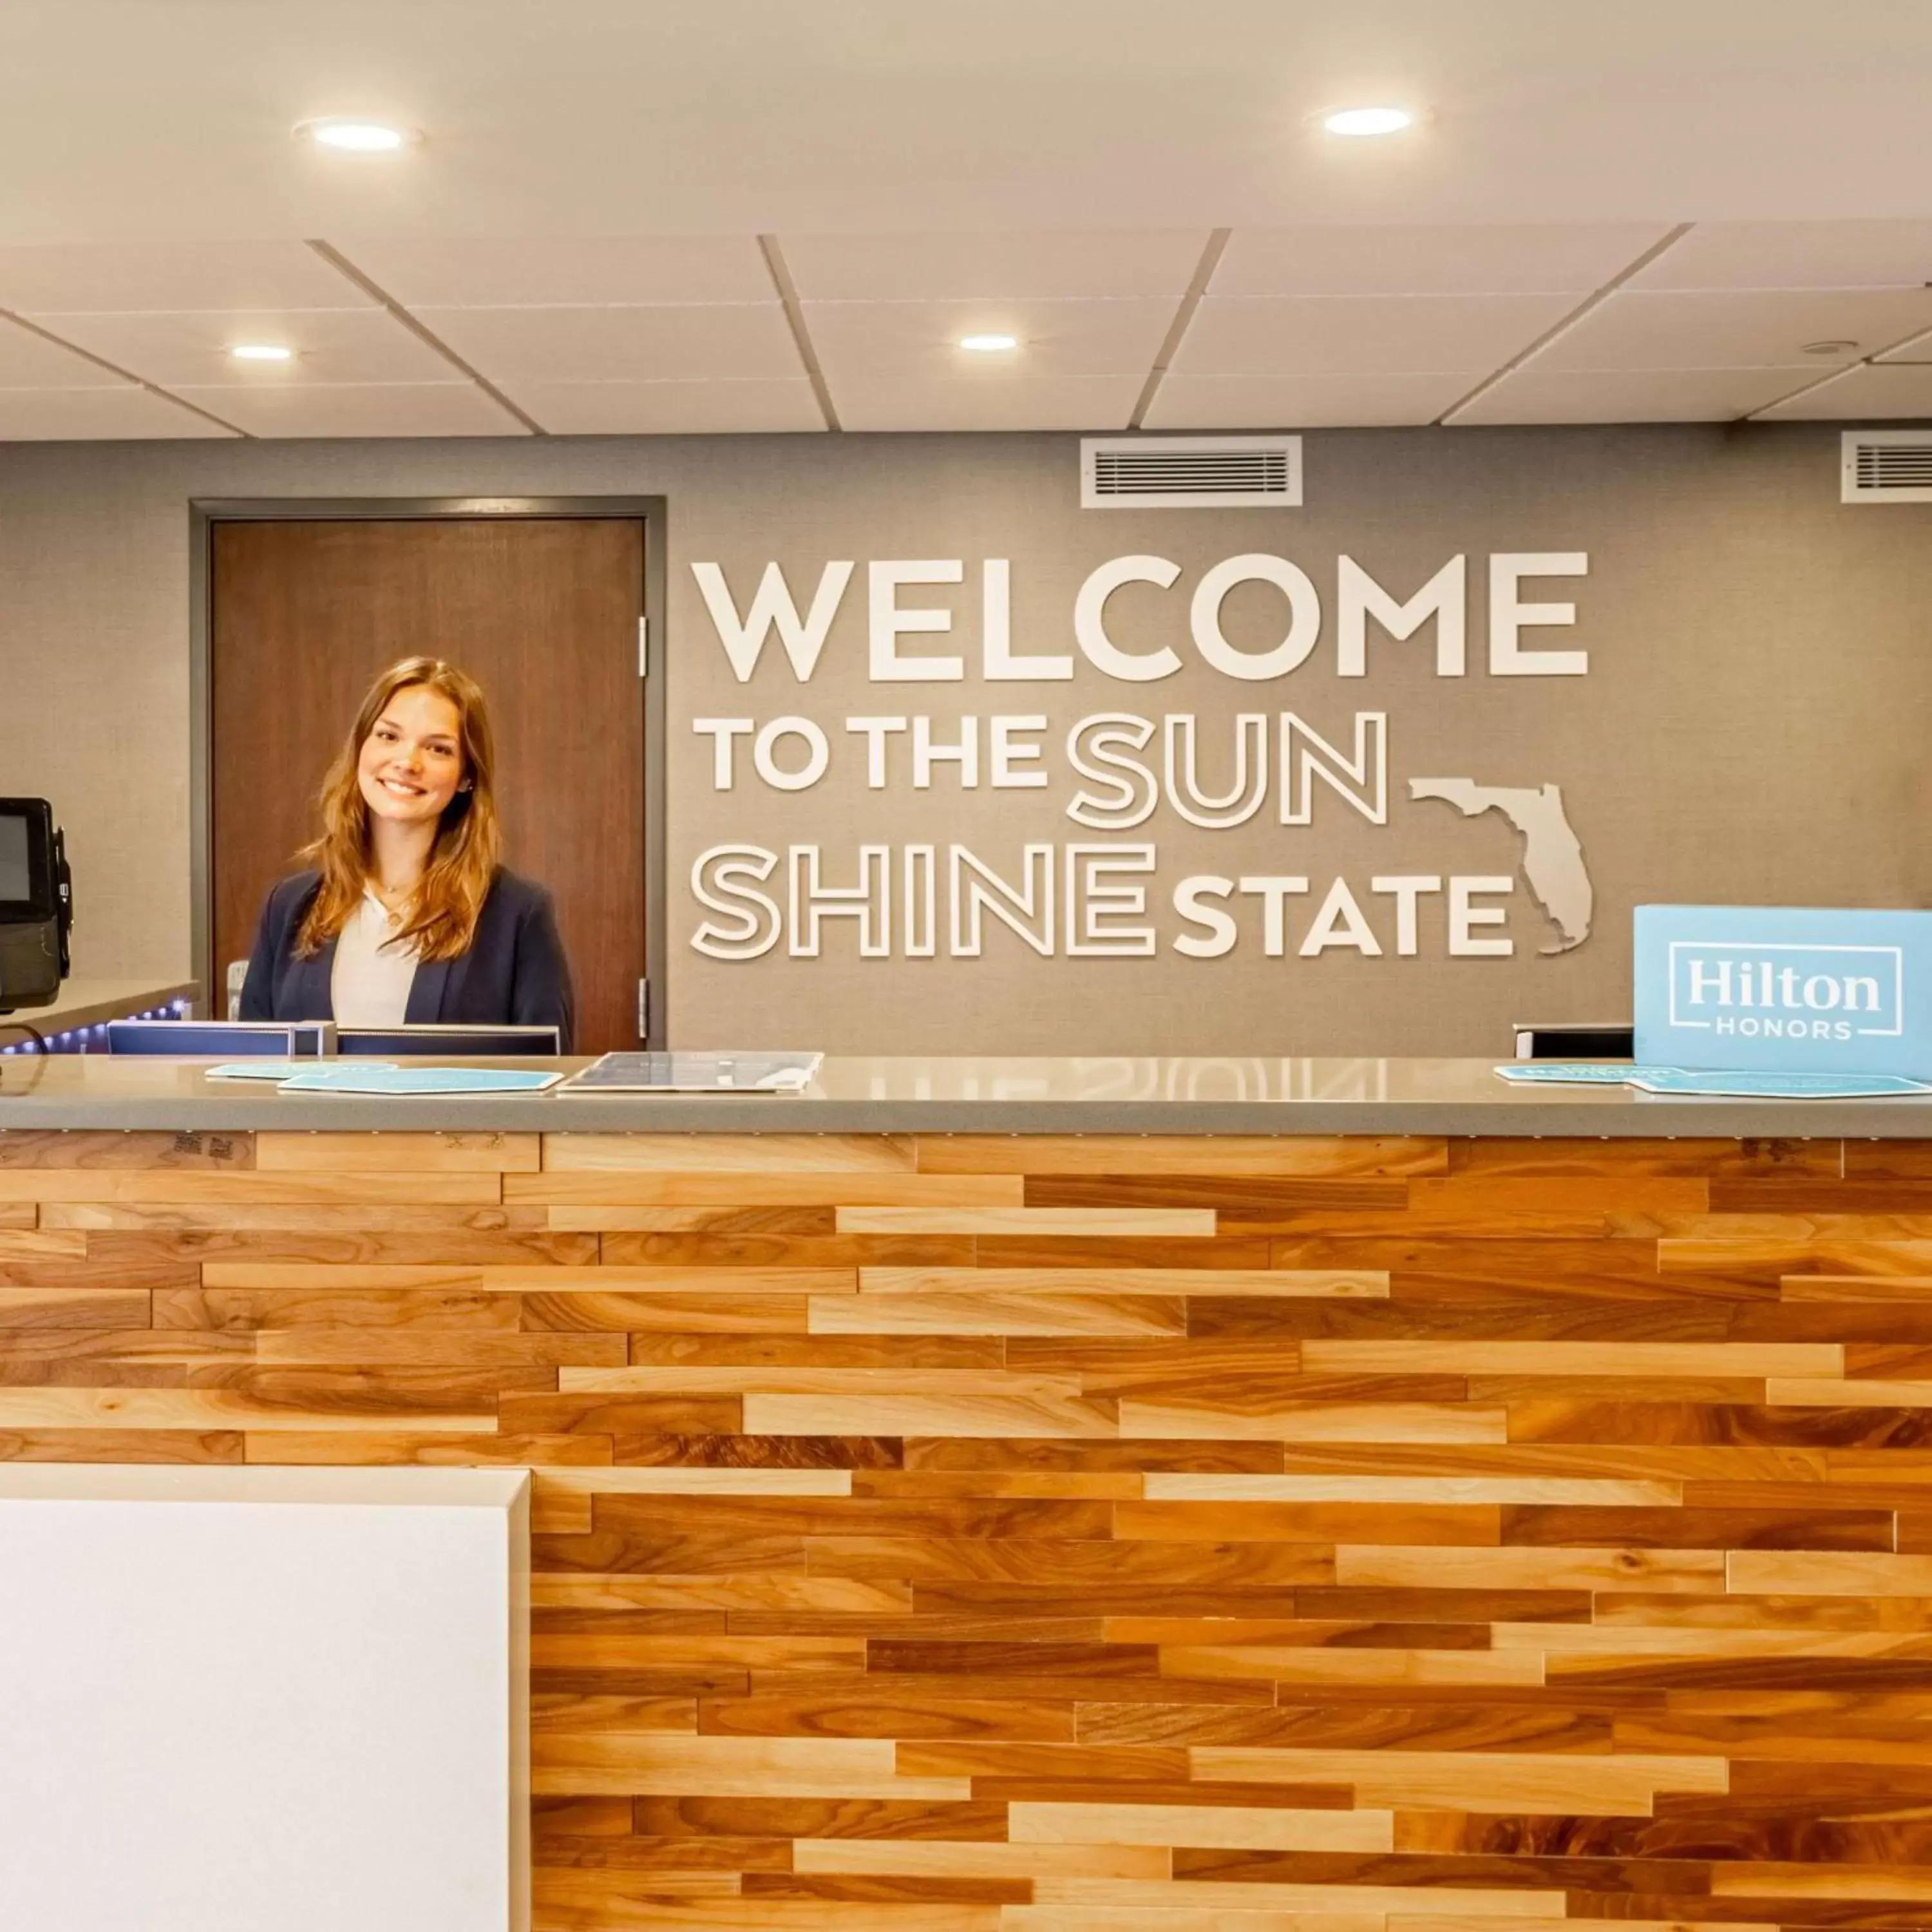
{"points": [[1784, 989]]}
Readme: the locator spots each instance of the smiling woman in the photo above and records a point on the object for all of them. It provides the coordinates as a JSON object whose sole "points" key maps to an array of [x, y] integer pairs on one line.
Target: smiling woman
{"points": [[407, 915]]}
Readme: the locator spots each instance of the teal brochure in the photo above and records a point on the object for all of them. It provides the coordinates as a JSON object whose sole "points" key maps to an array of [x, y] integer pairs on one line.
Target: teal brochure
{"points": [[360, 1079], [1777, 1086], [1573, 1072]]}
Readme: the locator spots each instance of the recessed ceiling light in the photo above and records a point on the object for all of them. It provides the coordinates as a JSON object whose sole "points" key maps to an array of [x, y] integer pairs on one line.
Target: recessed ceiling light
{"points": [[356, 135], [1832, 348], [262, 351], [1366, 121], [989, 345]]}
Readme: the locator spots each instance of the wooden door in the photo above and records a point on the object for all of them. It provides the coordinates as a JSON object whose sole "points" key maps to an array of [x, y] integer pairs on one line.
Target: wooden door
{"points": [[543, 612]]}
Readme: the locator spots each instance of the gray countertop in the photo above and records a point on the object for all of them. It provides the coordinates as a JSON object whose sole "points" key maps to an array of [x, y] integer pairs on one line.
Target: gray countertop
{"points": [[85, 1003], [967, 1095]]}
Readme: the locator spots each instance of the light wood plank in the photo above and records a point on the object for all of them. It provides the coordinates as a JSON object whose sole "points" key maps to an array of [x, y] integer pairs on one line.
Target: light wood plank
{"points": [[1073, 1418], [1589, 1786], [1856, 1392], [41, 1244], [1361, 1566], [1060, 1917], [671, 1480], [1234, 1828], [443, 1348], [644, 1763], [1183, 1486], [517, 1278], [990, 1313], [1194, 1223], [397, 1154], [197, 1187], [1195, 1417], [927, 1857], [795, 1379], [1424, 1921], [296, 1217], [1326, 1284], [1818, 1573], [1299, 1157], [1316, 1663], [203, 1408], [1506, 1905], [623, 1901], [723, 1153], [1632, 1360], [599, 1198]]}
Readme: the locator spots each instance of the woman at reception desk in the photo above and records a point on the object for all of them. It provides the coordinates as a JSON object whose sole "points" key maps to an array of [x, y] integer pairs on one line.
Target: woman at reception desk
{"points": [[406, 917]]}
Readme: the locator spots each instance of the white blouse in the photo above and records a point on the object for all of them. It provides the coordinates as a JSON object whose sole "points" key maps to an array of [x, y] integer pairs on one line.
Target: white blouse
{"points": [[371, 985]]}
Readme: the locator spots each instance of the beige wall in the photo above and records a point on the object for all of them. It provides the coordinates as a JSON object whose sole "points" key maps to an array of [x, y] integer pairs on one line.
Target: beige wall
{"points": [[1750, 728]]}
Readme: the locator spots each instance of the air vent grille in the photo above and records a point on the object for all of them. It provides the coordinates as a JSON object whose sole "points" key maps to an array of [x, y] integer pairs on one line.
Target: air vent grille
{"points": [[1177, 473], [1887, 466]]}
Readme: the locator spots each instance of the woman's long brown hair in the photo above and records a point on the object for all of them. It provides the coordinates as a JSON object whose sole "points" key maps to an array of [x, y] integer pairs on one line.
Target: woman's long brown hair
{"points": [[442, 918]]}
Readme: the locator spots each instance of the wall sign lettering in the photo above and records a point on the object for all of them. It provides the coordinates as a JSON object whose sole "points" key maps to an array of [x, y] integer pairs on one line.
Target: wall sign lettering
{"points": [[1095, 891]]}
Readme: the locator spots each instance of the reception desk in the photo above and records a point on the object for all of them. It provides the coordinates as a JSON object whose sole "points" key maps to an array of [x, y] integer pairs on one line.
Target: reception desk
{"points": [[1104, 1496]]}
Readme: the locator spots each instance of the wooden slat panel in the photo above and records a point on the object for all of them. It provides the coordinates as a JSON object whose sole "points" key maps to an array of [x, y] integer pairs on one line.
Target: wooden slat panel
{"points": [[1407, 1535]]}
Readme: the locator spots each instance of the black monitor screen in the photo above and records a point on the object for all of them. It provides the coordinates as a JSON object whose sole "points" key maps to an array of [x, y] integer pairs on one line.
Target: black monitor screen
{"points": [[16, 884], [28, 893]]}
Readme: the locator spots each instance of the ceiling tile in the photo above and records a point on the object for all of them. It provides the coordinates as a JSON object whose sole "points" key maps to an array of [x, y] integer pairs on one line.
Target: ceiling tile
{"points": [[355, 345], [939, 268], [76, 415], [30, 362], [1737, 329], [1913, 349], [725, 406], [1492, 259], [619, 343], [1536, 394], [186, 275], [893, 340], [530, 272], [1302, 402], [1883, 390], [1313, 335], [358, 409], [1795, 255], [1019, 402]]}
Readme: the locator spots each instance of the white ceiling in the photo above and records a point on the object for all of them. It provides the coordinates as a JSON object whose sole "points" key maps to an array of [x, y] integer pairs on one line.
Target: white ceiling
{"points": [[710, 216]]}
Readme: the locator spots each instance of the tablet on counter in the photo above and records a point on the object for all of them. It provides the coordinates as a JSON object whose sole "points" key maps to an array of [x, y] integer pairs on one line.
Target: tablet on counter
{"points": [[771, 1072]]}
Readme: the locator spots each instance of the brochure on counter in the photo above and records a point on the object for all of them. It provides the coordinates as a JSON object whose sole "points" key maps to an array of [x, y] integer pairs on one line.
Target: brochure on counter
{"points": [[760, 1072], [1678, 1081], [357, 1077]]}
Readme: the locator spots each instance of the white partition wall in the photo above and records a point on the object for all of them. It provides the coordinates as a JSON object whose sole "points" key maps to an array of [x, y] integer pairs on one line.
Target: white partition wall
{"points": [[232, 1699]]}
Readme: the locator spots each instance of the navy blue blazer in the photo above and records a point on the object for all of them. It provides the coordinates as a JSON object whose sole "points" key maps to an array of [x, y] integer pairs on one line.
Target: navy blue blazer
{"points": [[514, 972]]}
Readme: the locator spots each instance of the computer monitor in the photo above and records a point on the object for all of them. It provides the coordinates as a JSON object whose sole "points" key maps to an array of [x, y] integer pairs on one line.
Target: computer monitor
{"points": [[1604, 1040], [440, 1042], [223, 1040], [36, 905]]}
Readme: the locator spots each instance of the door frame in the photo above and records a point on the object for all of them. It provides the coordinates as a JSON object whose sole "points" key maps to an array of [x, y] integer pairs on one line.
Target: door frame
{"points": [[206, 514]]}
